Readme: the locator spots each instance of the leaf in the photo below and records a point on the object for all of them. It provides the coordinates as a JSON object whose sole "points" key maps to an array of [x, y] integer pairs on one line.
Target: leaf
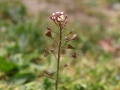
{"points": [[21, 78], [7, 66]]}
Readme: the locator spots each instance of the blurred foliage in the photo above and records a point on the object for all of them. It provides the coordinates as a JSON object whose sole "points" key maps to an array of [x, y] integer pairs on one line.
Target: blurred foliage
{"points": [[22, 41], [14, 11]]}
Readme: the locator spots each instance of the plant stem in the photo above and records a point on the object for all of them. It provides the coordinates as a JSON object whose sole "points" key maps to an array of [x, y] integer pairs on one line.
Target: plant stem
{"points": [[58, 60]]}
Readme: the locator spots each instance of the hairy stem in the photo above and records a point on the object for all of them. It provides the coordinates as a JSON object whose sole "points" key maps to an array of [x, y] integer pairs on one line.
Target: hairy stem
{"points": [[58, 60]]}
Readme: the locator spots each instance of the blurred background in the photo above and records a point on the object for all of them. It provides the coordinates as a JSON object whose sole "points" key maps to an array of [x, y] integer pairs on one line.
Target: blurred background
{"points": [[22, 42]]}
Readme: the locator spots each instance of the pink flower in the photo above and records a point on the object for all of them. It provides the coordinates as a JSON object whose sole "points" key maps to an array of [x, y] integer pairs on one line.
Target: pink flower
{"points": [[58, 16]]}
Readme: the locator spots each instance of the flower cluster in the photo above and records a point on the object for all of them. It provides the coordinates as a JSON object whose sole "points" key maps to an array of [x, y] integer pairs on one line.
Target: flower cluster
{"points": [[59, 18]]}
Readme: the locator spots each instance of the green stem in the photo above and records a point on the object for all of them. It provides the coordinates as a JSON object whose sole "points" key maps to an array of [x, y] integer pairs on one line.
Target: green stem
{"points": [[58, 60]]}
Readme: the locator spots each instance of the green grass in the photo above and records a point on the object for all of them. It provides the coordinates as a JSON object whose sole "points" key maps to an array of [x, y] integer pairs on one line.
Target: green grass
{"points": [[22, 64]]}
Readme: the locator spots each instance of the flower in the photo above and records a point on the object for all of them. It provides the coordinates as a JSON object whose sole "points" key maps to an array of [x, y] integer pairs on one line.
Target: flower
{"points": [[58, 16], [61, 18]]}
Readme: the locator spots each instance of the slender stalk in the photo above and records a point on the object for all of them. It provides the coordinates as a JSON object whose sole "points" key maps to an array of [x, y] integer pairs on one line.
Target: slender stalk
{"points": [[58, 60]]}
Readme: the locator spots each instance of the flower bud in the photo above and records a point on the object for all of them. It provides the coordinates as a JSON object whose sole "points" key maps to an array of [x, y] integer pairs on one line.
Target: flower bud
{"points": [[67, 39], [75, 37], [52, 49]]}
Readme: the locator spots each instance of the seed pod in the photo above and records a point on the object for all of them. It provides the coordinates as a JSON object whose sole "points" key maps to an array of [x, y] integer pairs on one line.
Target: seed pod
{"points": [[48, 34], [74, 55], [70, 47]]}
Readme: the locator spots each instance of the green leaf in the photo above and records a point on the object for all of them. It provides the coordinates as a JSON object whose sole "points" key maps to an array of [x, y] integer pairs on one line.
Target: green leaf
{"points": [[6, 66], [21, 78]]}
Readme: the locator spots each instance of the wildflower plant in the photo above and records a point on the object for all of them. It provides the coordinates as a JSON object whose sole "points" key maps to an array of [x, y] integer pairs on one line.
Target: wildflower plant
{"points": [[60, 20]]}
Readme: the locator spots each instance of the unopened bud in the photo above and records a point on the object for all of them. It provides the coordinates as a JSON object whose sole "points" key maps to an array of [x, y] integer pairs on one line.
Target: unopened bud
{"points": [[75, 37], [52, 49], [67, 39]]}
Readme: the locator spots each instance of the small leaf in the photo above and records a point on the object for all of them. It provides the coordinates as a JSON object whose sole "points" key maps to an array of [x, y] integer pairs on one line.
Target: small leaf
{"points": [[49, 34], [70, 47]]}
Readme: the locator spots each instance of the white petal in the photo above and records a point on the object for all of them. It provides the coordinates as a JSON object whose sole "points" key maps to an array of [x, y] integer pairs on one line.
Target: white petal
{"points": [[53, 14], [62, 12]]}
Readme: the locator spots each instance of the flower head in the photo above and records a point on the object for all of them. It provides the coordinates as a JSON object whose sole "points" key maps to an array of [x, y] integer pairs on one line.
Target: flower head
{"points": [[59, 16]]}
